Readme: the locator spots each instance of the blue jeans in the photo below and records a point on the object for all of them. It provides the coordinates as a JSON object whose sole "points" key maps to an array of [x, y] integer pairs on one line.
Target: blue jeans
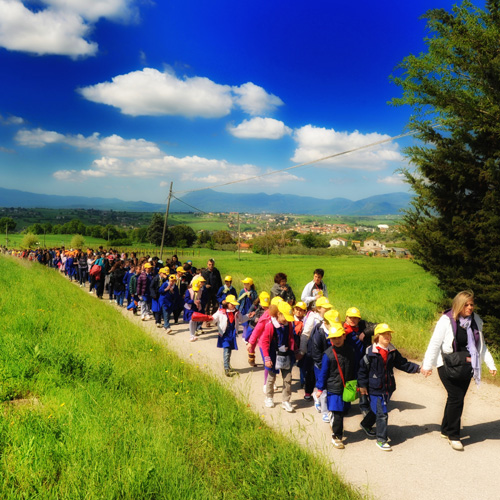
{"points": [[227, 358], [166, 317], [119, 299], [377, 414]]}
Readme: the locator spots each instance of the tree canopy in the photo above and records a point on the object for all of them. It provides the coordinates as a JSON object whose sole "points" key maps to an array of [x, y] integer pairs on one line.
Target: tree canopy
{"points": [[454, 91]]}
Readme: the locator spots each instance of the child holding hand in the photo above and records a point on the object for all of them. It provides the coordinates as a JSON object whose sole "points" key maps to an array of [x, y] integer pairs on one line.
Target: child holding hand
{"points": [[376, 379]]}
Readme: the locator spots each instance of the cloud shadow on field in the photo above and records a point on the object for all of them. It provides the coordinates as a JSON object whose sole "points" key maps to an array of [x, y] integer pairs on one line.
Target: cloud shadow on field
{"points": [[481, 432]]}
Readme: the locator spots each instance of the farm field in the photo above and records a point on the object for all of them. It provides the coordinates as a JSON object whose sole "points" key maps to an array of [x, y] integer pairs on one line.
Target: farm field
{"points": [[94, 408]]}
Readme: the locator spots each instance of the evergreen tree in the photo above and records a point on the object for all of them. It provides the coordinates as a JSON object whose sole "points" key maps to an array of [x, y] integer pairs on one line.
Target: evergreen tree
{"points": [[454, 91], [155, 230]]}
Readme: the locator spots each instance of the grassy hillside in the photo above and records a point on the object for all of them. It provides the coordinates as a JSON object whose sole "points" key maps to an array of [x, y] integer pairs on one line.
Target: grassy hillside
{"points": [[93, 408]]}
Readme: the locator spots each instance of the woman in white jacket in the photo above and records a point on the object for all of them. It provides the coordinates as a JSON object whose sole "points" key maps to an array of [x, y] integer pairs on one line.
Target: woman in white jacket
{"points": [[458, 330]]}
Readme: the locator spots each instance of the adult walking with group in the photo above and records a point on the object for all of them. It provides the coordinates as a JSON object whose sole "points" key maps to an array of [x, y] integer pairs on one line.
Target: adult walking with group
{"points": [[457, 348]]}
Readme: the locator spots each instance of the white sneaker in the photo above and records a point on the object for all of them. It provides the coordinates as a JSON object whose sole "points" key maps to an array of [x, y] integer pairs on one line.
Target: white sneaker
{"points": [[287, 406], [169, 331], [275, 387], [269, 403], [457, 445], [338, 443]]}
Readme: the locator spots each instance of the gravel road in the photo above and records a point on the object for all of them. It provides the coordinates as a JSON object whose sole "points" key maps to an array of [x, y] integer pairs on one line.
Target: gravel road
{"points": [[421, 465]]}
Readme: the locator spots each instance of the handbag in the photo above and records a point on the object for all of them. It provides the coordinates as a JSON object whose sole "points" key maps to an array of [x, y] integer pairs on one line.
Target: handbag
{"points": [[282, 361], [457, 366], [350, 392]]}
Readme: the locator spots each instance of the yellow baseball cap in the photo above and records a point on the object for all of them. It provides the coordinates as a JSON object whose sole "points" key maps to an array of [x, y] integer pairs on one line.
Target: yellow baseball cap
{"points": [[383, 328], [276, 300], [264, 299], [231, 299], [286, 309], [249, 281], [353, 312], [228, 278], [301, 305], [323, 302], [336, 330], [332, 316]]}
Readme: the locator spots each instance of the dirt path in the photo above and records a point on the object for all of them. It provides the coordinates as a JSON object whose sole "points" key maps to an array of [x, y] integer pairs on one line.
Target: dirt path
{"points": [[422, 465]]}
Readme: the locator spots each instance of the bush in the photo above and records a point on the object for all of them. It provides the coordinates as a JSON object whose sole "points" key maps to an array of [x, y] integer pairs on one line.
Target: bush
{"points": [[77, 241], [29, 241]]}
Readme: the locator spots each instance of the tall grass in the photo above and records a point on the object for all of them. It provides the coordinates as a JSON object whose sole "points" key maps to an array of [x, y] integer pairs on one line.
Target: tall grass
{"points": [[93, 408]]}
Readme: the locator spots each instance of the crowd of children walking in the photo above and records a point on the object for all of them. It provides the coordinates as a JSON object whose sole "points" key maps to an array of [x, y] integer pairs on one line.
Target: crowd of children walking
{"points": [[343, 357]]}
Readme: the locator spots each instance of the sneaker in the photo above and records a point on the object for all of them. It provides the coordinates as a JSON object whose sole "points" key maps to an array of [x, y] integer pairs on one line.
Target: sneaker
{"points": [[317, 404], [383, 446], [158, 325], [444, 436], [193, 339], [275, 387], [337, 442], [169, 331], [326, 418], [287, 406], [229, 372], [368, 430], [456, 445], [307, 397], [269, 403]]}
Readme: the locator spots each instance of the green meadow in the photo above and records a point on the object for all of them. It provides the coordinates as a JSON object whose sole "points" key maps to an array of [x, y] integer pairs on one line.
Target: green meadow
{"points": [[94, 408]]}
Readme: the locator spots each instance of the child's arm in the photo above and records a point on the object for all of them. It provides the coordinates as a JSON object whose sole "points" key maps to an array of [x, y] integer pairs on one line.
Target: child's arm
{"points": [[363, 376], [323, 374], [404, 365]]}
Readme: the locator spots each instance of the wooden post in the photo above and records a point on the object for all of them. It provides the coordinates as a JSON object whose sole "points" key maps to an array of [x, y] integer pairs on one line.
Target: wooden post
{"points": [[165, 225]]}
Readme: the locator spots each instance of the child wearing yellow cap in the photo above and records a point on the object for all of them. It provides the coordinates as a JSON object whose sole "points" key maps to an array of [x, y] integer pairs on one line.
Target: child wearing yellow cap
{"points": [[228, 320], [278, 348], [376, 379], [226, 289], [246, 298], [337, 367]]}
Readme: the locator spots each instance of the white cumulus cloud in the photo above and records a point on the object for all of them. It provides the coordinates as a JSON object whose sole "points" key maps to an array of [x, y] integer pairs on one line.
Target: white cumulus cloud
{"points": [[150, 92], [44, 32], [394, 180], [254, 100], [260, 128], [113, 145], [11, 120], [62, 28], [316, 142], [153, 93]]}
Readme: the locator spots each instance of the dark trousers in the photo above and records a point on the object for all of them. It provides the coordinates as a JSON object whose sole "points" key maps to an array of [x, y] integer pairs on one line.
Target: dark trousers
{"points": [[450, 425], [337, 423], [310, 378], [378, 417], [212, 304]]}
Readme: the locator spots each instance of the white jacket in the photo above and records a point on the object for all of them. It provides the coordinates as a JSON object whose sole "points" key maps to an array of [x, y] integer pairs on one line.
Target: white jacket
{"points": [[309, 293], [220, 319], [442, 338]]}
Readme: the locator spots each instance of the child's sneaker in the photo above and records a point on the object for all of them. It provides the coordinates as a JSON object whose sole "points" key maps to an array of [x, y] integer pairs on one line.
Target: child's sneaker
{"points": [[326, 418], [383, 446], [317, 404], [286, 405], [269, 403], [368, 430], [307, 396], [337, 442]]}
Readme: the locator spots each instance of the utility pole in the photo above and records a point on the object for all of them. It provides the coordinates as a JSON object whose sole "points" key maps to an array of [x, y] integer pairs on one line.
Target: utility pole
{"points": [[165, 225], [6, 234], [239, 237]]}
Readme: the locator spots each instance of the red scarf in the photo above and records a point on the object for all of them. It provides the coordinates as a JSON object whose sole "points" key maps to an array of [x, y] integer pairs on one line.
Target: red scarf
{"points": [[350, 329]]}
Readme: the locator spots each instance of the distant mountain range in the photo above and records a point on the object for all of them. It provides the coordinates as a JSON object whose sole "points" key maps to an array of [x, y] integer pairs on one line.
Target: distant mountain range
{"points": [[213, 201]]}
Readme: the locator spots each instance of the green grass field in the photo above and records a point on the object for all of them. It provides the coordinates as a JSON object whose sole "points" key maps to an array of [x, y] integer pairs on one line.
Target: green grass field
{"points": [[94, 408]]}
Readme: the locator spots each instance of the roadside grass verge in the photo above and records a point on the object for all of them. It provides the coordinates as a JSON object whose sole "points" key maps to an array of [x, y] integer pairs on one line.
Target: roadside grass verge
{"points": [[94, 408]]}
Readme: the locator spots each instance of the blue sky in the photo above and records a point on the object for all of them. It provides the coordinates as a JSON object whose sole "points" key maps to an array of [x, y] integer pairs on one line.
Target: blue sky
{"points": [[117, 98]]}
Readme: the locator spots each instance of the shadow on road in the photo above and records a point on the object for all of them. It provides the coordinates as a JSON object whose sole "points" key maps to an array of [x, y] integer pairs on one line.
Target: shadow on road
{"points": [[481, 432]]}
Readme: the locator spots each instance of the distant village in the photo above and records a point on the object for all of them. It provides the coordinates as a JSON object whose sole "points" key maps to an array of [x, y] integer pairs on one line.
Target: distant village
{"points": [[371, 246]]}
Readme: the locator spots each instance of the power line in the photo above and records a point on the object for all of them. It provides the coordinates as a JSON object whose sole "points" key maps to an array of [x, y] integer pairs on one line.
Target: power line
{"points": [[342, 153], [191, 206]]}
